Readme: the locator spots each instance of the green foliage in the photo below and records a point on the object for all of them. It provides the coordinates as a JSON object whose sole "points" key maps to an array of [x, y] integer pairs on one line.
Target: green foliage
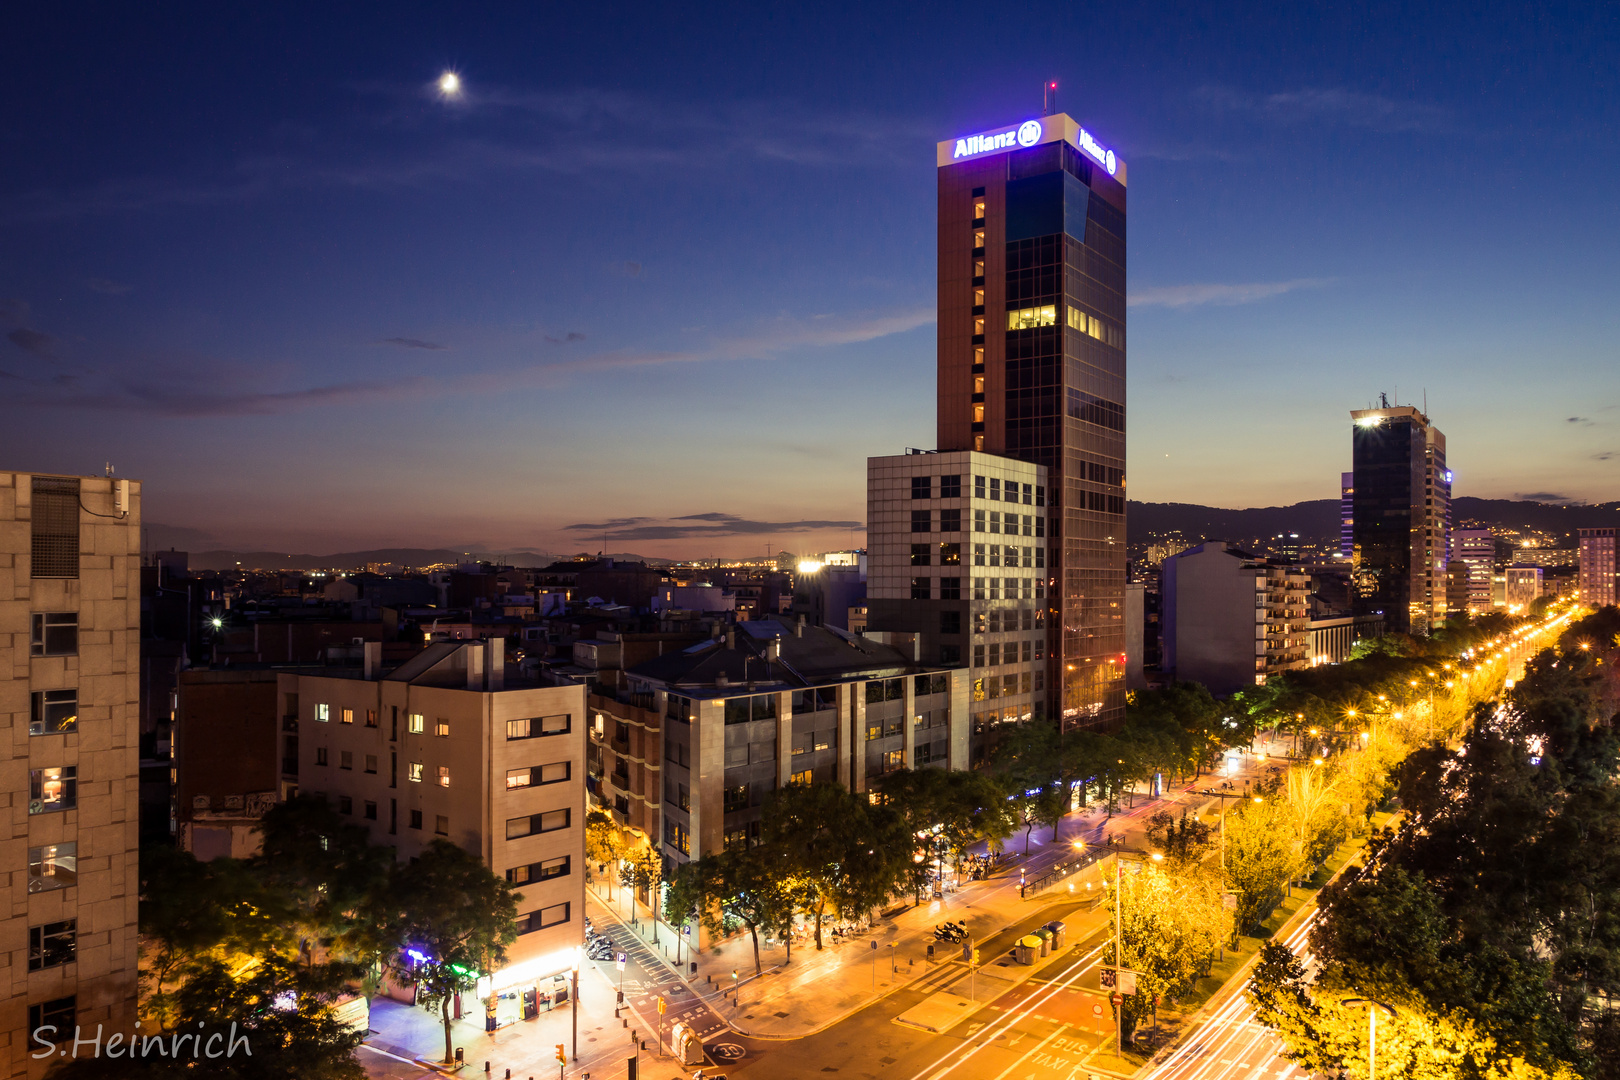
{"points": [[843, 854], [1486, 923], [1260, 857], [1185, 842], [1170, 927], [461, 916], [750, 886]]}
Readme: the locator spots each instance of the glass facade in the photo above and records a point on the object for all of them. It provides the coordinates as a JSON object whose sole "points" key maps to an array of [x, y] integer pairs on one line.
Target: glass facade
{"points": [[1401, 505], [1036, 237]]}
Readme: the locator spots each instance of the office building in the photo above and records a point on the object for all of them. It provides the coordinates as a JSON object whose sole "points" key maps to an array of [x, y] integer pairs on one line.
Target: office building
{"points": [[1347, 514], [70, 590], [1232, 620], [1523, 587], [1476, 548], [776, 701], [1599, 583], [1031, 366], [1401, 500], [957, 555]]}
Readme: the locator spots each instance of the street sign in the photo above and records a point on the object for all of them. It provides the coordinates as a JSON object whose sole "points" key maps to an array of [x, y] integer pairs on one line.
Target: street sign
{"points": [[1121, 980], [661, 1005], [1229, 901], [620, 961]]}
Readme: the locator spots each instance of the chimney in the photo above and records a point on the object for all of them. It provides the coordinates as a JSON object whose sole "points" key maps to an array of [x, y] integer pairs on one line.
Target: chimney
{"points": [[475, 665], [731, 638], [773, 651], [495, 665], [371, 659], [721, 681], [798, 629]]}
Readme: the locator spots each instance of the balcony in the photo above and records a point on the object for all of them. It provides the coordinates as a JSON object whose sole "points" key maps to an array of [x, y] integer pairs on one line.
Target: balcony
{"points": [[289, 723]]}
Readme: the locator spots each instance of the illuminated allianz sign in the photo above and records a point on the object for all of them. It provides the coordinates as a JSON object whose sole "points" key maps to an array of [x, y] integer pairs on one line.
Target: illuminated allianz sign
{"points": [[1028, 134]]}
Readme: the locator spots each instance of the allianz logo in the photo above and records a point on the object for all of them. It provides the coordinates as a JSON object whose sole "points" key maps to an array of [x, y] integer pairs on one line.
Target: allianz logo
{"points": [[1026, 134]]}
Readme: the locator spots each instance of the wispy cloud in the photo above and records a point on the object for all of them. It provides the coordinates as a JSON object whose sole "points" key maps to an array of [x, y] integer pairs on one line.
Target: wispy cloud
{"points": [[1181, 296], [1581, 420], [1556, 498], [1606, 455], [713, 524], [108, 287], [571, 336], [1329, 105], [411, 343], [400, 137], [33, 341]]}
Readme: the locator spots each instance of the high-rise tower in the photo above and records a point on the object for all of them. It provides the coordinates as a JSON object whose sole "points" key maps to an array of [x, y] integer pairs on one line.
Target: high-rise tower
{"points": [[1032, 366], [1402, 495]]}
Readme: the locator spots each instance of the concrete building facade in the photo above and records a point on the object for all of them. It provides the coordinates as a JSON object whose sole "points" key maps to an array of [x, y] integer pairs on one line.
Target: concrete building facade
{"points": [[1523, 587], [775, 702], [1232, 620], [70, 696], [1476, 548], [957, 555]]}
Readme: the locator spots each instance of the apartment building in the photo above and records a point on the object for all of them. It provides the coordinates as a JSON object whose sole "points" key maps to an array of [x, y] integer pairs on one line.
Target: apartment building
{"points": [[70, 694], [1523, 587], [1232, 620], [447, 746], [776, 701], [957, 556]]}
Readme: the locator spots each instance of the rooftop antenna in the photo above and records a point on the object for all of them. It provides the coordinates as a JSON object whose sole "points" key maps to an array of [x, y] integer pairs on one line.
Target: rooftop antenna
{"points": [[1049, 97]]}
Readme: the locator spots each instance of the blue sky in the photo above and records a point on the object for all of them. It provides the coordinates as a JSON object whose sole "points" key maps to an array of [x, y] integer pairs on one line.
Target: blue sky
{"points": [[667, 274]]}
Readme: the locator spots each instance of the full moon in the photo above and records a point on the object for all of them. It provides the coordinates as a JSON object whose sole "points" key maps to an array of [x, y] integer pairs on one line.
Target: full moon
{"points": [[450, 83]]}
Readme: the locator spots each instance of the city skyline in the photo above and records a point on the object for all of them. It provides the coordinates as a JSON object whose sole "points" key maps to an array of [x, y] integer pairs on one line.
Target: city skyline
{"points": [[291, 296]]}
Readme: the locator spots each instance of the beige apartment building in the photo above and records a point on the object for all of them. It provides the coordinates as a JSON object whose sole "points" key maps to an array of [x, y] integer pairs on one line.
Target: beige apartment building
{"points": [[447, 746], [69, 694], [1233, 620]]}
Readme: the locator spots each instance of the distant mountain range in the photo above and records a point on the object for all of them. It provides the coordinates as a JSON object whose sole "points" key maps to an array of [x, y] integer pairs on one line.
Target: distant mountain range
{"points": [[1318, 519]]}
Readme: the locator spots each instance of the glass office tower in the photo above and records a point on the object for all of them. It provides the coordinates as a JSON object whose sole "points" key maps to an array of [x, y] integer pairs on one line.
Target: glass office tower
{"points": [[1402, 510], [1032, 366]]}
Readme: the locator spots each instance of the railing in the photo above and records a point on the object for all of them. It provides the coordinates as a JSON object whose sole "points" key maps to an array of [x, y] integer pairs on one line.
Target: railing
{"points": [[1064, 871]]}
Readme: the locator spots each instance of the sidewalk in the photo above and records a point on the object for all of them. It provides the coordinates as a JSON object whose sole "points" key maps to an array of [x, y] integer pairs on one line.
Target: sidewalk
{"points": [[528, 1048]]}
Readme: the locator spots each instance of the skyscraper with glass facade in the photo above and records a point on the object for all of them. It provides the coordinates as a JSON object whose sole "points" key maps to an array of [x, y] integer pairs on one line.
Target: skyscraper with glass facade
{"points": [[1402, 507], [1032, 366]]}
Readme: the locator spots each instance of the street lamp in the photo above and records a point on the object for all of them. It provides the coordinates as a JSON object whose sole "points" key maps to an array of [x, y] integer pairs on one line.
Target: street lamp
{"points": [[1373, 1005]]}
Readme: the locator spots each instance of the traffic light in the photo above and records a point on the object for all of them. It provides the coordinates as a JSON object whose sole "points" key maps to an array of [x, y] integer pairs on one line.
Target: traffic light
{"points": [[562, 1058], [975, 957]]}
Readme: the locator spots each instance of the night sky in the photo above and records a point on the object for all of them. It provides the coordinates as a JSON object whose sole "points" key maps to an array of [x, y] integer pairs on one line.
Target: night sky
{"points": [[663, 279]]}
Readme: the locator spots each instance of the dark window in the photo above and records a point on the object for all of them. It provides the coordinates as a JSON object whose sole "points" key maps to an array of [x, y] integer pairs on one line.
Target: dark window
{"points": [[441, 825], [555, 915], [744, 709], [995, 489], [950, 654], [416, 819], [950, 521], [950, 588], [922, 521], [1040, 495], [922, 487], [371, 763], [371, 718], [54, 525], [320, 755], [52, 1021], [51, 945], [530, 824], [539, 871], [1096, 410], [55, 633], [345, 804], [922, 588], [346, 759], [53, 712], [950, 487], [536, 727], [950, 622], [978, 487], [371, 810], [736, 798], [921, 554], [53, 789]]}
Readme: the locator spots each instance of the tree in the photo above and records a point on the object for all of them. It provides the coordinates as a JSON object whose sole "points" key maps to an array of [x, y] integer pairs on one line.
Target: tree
{"points": [[1260, 860], [844, 854], [603, 842], [646, 874], [748, 885], [302, 1042], [326, 881], [1170, 927], [1185, 841], [455, 922]]}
